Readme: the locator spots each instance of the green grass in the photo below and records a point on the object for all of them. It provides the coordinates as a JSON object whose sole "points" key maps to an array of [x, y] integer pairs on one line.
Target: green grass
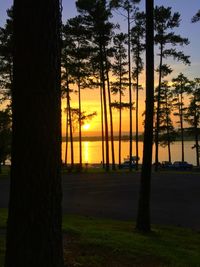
{"points": [[5, 172], [91, 242]]}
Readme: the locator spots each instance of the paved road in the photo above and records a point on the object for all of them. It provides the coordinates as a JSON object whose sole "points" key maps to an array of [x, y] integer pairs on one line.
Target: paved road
{"points": [[175, 196]]}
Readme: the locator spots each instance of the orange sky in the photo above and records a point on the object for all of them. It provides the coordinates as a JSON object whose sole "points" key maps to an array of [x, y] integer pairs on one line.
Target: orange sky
{"points": [[91, 103]]}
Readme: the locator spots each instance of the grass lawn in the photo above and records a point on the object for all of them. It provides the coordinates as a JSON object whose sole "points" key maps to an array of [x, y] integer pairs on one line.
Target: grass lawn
{"points": [[5, 172], [91, 242]]}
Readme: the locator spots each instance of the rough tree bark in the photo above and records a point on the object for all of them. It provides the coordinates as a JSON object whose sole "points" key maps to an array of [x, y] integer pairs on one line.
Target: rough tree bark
{"points": [[143, 218], [34, 236]]}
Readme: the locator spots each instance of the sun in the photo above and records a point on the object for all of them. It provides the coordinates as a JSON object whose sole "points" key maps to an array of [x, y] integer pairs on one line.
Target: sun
{"points": [[86, 126]]}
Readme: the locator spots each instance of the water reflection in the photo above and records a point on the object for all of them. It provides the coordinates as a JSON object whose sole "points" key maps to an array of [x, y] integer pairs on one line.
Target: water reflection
{"points": [[86, 158], [92, 153]]}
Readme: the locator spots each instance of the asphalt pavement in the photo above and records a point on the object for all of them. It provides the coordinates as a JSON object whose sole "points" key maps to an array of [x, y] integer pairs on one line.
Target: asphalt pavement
{"points": [[175, 196]]}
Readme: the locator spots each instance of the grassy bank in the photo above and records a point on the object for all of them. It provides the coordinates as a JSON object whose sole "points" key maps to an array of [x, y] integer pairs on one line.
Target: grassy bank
{"points": [[90, 242]]}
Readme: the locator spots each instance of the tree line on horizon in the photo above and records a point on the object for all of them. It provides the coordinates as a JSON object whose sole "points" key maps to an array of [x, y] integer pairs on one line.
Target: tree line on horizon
{"points": [[93, 50]]}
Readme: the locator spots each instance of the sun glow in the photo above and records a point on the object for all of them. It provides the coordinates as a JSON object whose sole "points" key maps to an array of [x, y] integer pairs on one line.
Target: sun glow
{"points": [[86, 127]]}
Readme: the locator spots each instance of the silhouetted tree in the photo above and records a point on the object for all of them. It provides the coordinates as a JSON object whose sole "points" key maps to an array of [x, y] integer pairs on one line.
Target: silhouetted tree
{"points": [[120, 73], [165, 22], [181, 86], [67, 82], [96, 16], [6, 57], [34, 233], [129, 9], [167, 132], [5, 135], [143, 217], [192, 115], [137, 47], [79, 58]]}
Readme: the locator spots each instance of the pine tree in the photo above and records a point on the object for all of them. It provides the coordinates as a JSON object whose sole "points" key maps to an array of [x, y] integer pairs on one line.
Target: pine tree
{"points": [[120, 84], [167, 132], [67, 82], [137, 47], [192, 115], [96, 16], [129, 7], [6, 57], [79, 55], [181, 86], [165, 22], [5, 135]]}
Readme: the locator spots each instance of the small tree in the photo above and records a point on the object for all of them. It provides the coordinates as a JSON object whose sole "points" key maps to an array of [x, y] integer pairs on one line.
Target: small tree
{"points": [[192, 115], [5, 135], [167, 132], [181, 86], [6, 57]]}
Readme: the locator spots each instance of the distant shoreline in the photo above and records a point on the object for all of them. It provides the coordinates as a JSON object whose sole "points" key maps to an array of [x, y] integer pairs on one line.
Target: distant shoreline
{"points": [[116, 138]]}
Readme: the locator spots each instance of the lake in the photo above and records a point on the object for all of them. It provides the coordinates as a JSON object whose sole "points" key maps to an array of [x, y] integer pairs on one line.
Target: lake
{"points": [[92, 151]]}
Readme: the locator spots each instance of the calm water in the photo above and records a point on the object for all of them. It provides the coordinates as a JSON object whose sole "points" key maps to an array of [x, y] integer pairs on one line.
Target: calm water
{"points": [[92, 152]]}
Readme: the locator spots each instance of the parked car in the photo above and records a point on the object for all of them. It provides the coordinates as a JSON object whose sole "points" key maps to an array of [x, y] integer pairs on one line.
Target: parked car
{"points": [[166, 164], [126, 163], [182, 165]]}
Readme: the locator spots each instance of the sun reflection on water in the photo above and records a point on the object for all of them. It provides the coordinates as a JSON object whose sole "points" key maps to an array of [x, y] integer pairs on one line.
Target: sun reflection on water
{"points": [[86, 153]]}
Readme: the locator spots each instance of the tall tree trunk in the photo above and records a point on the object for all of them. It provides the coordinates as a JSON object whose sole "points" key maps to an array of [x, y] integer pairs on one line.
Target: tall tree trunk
{"points": [[66, 136], [168, 144], [157, 128], [168, 133], [70, 129], [80, 132], [102, 128], [196, 139], [34, 234], [110, 111], [104, 106], [136, 121], [120, 122], [182, 130], [143, 217], [130, 91]]}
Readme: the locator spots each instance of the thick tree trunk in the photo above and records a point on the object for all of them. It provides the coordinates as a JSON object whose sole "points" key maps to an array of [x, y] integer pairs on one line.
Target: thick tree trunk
{"points": [[143, 217], [34, 236]]}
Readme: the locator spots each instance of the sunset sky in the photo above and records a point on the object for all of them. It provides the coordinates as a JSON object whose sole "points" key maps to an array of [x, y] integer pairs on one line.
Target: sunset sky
{"points": [[91, 98]]}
